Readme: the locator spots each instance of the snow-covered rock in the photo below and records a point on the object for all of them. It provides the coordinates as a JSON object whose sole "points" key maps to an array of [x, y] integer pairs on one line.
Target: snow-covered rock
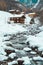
{"points": [[38, 58], [12, 55], [35, 41], [26, 60], [13, 62], [32, 52], [27, 49]]}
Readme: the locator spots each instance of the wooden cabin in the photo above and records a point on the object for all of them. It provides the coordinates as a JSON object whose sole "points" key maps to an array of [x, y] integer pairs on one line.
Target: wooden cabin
{"points": [[18, 18], [33, 15], [15, 11], [12, 11]]}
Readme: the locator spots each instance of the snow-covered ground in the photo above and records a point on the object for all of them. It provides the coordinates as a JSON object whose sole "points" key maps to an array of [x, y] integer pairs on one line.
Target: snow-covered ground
{"points": [[22, 36]]}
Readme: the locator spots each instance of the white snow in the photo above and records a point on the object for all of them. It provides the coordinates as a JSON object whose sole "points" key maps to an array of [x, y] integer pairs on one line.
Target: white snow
{"points": [[35, 41], [37, 21], [28, 19], [10, 29], [41, 28], [2, 57], [40, 34], [4, 17], [17, 15]]}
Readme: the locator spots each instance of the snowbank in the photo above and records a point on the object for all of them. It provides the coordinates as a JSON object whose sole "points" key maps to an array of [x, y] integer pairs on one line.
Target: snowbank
{"points": [[8, 28], [4, 17], [36, 41]]}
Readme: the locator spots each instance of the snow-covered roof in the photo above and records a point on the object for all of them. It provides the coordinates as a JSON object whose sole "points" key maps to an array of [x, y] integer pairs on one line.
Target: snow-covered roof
{"points": [[17, 15], [32, 13], [12, 10]]}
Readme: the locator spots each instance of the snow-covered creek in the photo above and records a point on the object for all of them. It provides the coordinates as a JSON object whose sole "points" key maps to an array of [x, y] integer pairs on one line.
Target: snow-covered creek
{"points": [[20, 42]]}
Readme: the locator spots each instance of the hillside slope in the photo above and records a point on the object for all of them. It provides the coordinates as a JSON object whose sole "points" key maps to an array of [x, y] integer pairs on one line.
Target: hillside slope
{"points": [[11, 4]]}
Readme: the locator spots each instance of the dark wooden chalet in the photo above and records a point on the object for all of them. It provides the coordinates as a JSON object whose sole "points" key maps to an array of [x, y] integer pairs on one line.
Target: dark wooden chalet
{"points": [[18, 18]]}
